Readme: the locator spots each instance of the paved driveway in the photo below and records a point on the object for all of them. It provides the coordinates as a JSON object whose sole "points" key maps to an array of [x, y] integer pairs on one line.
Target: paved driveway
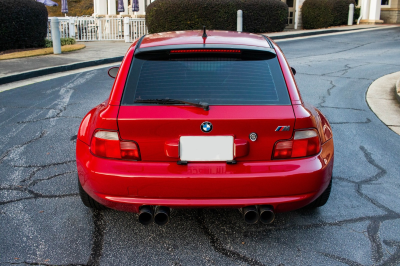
{"points": [[42, 220]]}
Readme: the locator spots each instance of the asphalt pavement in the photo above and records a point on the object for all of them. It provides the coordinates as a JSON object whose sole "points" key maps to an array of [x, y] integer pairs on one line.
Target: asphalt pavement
{"points": [[43, 222]]}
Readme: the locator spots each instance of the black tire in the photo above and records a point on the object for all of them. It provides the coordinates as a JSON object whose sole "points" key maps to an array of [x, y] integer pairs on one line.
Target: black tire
{"points": [[88, 201], [322, 199]]}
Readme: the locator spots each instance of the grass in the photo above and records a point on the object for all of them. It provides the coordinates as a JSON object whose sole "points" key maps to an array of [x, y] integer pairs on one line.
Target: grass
{"points": [[41, 51]]}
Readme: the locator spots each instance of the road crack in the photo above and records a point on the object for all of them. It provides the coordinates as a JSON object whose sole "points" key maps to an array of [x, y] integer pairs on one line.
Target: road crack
{"points": [[219, 247]]}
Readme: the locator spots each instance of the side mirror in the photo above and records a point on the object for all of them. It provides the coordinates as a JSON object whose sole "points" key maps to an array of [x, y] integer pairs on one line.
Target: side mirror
{"points": [[112, 72], [293, 70]]}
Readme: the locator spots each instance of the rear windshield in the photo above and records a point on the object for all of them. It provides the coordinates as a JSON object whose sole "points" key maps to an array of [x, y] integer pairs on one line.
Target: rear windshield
{"points": [[214, 79]]}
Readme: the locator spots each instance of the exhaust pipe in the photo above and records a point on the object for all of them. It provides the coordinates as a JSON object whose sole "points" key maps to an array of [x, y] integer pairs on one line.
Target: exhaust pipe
{"points": [[161, 215], [267, 214], [145, 215], [250, 214]]}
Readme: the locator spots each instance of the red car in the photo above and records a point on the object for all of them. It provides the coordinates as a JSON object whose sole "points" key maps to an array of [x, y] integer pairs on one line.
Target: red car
{"points": [[204, 119]]}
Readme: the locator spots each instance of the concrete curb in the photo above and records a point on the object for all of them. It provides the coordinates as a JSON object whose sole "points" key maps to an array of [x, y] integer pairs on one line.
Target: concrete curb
{"points": [[57, 69], [397, 90], [383, 102], [306, 34]]}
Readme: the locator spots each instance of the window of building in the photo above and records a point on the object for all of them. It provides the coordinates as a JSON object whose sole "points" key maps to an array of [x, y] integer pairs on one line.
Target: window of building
{"points": [[385, 2]]}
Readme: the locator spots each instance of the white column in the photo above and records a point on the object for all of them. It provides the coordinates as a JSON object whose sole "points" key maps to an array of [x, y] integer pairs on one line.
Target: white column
{"points": [[375, 10], [365, 9], [141, 8], [95, 4], [102, 7], [112, 8]]}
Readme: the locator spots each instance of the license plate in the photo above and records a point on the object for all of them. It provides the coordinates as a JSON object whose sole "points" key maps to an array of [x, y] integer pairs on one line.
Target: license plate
{"points": [[207, 148]]}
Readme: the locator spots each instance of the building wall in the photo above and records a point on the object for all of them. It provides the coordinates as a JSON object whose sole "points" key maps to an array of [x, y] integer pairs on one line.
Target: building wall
{"points": [[391, 13]]}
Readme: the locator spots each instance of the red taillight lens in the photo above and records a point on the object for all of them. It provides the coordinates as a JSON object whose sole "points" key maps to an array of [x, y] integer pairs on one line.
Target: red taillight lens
{"points": [[305, 143], [107, 144]]}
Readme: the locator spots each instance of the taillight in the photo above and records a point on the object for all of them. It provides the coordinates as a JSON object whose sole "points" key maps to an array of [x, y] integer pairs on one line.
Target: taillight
{"points": [[305, 143], [107, 144]]}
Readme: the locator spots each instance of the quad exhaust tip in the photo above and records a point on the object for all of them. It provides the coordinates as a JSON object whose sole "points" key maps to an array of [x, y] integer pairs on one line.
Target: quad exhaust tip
{"points": [[267, 214], [158, 214], [252, 214], [161, 215], [146, 215]]}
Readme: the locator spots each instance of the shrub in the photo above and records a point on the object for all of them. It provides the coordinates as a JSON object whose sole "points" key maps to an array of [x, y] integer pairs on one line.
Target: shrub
{"points": [[64, 41], [174, 15], [48, 43], [67, 41], [325, 13], [340, 11], [357, 12], [317, 14], [23, 24]]}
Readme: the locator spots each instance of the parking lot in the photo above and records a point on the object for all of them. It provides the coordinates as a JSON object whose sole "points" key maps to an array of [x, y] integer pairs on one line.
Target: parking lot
{"points": [[43, 222]]}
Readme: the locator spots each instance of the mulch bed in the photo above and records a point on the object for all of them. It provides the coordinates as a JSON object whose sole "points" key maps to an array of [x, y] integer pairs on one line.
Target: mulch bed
{"points": [[19, 50]]}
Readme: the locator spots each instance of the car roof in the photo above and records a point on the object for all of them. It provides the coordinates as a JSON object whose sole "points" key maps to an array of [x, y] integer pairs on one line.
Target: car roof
{"points": [[191, 37]]}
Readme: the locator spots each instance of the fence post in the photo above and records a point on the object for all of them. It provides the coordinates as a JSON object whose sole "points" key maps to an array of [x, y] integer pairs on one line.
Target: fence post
{"points": [[126, 29], [239, 20], [55, 35], [351, 15], [72, 28], [99, 22]]}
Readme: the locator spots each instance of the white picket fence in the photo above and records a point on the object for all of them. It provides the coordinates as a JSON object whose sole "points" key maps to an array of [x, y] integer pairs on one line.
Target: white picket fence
{"points": [[100, 29]]}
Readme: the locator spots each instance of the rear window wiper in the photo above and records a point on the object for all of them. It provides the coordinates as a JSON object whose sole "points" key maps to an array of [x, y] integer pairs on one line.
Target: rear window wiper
{"points": [[203, 105]]}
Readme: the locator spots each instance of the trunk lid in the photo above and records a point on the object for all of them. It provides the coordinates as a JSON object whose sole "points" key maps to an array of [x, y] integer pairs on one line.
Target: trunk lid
{"points": [[157, 129]]}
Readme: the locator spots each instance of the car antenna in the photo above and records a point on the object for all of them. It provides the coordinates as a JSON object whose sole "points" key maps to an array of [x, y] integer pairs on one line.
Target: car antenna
{"points": [[204, 32], [204, 35]]}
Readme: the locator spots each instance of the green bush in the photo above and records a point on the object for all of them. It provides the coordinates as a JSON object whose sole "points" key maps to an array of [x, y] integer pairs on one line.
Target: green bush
{"points": [[340, 11], [357, 13], [174, 15], [23, 24], [48, 43], [317, 14], [64, 41], [325, 13], [67, 41]]}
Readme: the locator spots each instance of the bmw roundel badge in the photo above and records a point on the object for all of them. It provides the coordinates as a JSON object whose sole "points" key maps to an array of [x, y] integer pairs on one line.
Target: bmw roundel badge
{"points": [[206, 127]]}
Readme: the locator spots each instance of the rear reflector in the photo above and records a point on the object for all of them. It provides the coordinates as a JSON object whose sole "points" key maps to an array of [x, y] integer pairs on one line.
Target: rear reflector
{"points": [[107, 144], [205, 51], [305, 143]]}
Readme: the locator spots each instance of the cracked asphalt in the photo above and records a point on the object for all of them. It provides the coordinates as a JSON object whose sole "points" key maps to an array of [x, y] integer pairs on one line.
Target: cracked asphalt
{"points": [[43, 222]]}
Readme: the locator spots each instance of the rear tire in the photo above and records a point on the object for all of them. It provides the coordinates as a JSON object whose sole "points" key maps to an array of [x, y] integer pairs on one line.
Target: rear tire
{"points": [[322, 199], [87, 200]]}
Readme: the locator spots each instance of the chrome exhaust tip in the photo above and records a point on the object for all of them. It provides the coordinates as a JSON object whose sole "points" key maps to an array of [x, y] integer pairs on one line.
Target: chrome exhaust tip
{"points": [[250, 214], [267, 214], [161, 215], [145, 215]]}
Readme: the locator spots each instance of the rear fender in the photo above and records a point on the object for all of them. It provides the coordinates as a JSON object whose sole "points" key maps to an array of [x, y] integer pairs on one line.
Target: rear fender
{"points": [[307, 116], [102, 116]]}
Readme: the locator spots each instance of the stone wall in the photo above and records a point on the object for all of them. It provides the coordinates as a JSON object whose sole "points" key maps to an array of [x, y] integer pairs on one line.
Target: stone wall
{"points": [[390, 15]]}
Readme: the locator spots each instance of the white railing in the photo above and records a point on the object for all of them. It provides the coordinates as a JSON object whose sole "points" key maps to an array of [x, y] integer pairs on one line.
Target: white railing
{"points": [[137, 28], [101, 29], [64, 28]]}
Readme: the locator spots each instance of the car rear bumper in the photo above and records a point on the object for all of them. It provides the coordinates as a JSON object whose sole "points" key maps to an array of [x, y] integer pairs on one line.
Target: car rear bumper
{"points": [[284, 184]]}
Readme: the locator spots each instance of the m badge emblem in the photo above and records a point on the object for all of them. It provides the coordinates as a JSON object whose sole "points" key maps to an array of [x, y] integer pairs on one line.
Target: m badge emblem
{"points": [[283, 128]]}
